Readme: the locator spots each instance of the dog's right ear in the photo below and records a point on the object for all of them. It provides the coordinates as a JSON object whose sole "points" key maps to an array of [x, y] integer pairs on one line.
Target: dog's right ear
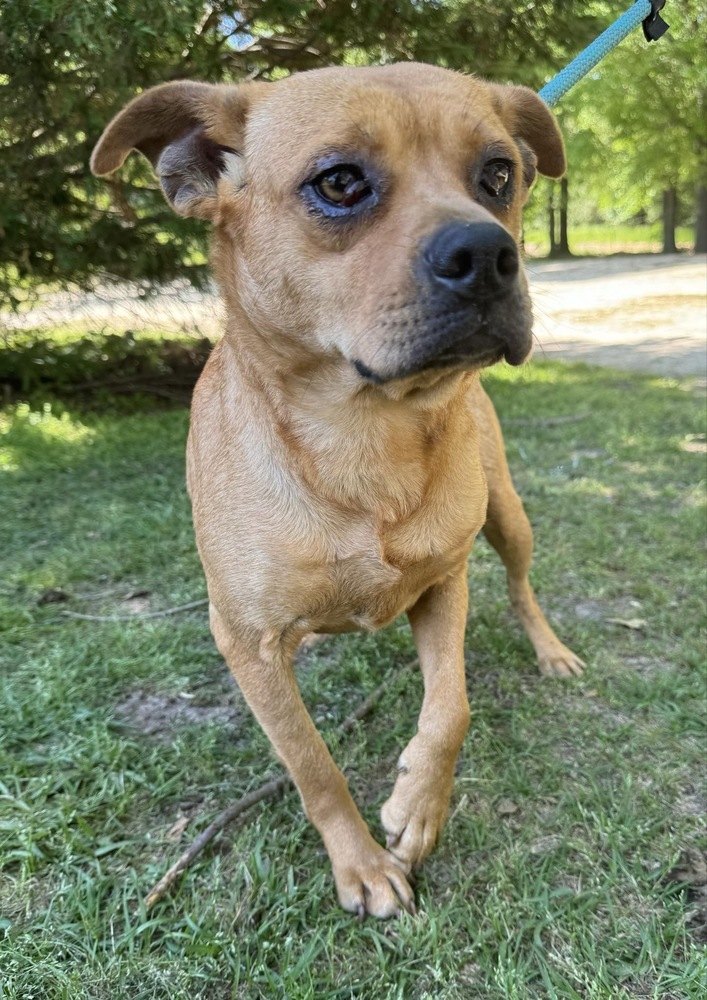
{"points": [[192, 133], [531, 121]]}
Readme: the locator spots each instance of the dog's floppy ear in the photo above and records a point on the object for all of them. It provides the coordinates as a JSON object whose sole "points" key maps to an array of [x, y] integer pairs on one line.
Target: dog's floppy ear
{"points": [[191, 133], [528, 118]]}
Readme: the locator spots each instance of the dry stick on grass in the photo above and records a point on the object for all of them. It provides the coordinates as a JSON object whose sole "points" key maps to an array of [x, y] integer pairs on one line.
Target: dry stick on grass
{"points": [[546, 421], [232, 812], [269, 789], [136, 618]]}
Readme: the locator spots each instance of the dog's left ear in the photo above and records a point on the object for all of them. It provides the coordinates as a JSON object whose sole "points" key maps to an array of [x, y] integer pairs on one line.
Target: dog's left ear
{"points": [[532, 124], [192, 133]]}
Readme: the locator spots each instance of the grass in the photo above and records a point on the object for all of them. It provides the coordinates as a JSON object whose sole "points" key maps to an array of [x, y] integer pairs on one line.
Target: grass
{"points": [[573, 801], [598, 239]]}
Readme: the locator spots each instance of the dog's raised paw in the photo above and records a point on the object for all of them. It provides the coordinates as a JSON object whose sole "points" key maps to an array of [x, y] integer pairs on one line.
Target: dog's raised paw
{"points": [[413, 818]]}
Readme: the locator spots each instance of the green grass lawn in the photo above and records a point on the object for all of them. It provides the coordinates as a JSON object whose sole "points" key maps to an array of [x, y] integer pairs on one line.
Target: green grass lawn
{"points": [[569, 867], [599, 239]]}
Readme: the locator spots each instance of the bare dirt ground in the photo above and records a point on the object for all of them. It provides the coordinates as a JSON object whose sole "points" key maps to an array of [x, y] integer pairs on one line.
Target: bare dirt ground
{"points": [[639, 312], [643, 313]]}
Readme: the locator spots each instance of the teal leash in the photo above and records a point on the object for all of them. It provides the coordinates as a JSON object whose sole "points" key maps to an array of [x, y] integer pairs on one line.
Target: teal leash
{"points": [[646, 12]]}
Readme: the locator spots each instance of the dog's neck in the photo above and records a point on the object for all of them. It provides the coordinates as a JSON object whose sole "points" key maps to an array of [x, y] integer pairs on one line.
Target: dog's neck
{"points": [[363, 447]]}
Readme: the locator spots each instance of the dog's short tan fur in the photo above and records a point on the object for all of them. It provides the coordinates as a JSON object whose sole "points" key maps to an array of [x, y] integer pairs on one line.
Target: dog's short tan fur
{"points": [[322, 502]]}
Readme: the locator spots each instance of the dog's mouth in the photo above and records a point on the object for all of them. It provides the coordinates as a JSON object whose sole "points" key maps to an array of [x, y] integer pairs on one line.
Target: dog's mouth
{"points": [[487, 350], [427, 339]]}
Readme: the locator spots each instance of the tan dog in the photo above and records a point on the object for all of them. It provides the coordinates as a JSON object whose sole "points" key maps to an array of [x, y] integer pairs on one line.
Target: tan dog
{"points": [[342, 454]]}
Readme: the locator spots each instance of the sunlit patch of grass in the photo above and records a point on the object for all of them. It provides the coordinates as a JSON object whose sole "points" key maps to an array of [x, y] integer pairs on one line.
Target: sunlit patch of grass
{"points": [[55, 431], [605, 238], [63, 426], [63, 335]]}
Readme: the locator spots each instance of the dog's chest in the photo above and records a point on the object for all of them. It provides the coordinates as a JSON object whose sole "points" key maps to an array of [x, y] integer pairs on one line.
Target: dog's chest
{"points": [[382, 568], [366, 592]]}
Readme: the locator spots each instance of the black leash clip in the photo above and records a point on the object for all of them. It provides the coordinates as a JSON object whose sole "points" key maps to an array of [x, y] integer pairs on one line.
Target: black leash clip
{"points": [[654, 27]]}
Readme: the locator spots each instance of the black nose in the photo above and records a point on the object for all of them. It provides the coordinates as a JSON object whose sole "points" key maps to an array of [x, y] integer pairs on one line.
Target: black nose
{"points": [[473, 259]]}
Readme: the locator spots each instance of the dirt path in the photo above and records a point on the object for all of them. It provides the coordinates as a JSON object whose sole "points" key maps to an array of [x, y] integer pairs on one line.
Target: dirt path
{"points": [[643, 313], [640, 312]]}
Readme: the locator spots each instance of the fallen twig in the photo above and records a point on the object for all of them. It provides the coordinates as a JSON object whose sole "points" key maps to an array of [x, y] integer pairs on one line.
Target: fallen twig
{"points": [[132, 618], [546, 421], [223, 819], [269, 789]]}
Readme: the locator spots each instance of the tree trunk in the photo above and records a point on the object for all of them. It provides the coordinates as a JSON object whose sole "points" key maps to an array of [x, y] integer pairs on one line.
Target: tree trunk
{"points": [[551, 221], [670, 206], [559, 246], [701, 220], [563, 247]]}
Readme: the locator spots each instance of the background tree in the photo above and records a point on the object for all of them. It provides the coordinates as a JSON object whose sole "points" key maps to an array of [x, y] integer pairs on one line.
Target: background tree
{"points": [[66, 67], [636, 129]]}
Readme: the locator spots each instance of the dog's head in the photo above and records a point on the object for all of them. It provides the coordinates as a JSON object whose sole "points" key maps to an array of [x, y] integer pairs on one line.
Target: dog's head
{"points": [[369, 215]]}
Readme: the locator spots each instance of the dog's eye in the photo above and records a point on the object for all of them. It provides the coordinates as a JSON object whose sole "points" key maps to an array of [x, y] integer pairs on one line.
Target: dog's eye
{"points": [[495, 177], [343, 186]]}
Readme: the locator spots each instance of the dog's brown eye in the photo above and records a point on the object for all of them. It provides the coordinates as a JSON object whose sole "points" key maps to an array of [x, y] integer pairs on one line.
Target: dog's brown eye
{"points": [[495, 177], [342, 186]]}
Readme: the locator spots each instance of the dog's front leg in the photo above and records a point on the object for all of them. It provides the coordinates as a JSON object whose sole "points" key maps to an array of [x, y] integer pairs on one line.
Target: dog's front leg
{"points": [[415, 813], [368, 878]]}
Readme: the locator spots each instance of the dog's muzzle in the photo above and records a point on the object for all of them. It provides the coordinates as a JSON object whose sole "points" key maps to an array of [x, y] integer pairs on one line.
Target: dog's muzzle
{"points": [[473, 308]]}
